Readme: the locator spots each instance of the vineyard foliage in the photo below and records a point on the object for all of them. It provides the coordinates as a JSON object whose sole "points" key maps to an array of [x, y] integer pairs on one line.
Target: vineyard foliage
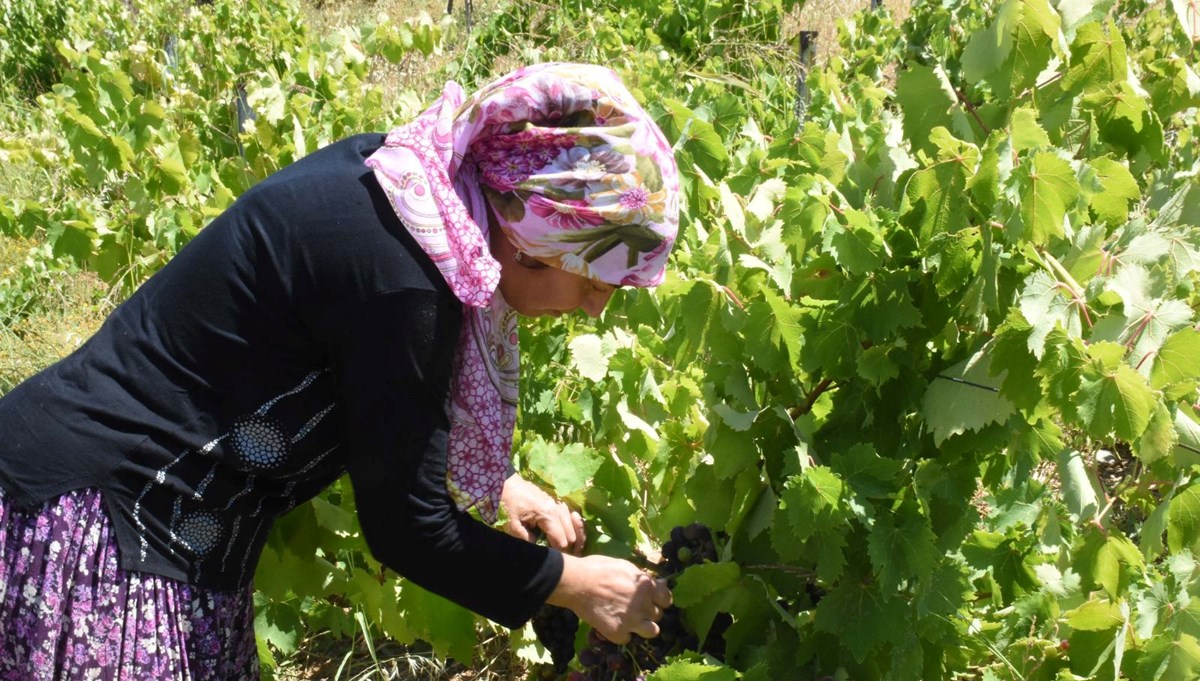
{"points": [[929, 341]]}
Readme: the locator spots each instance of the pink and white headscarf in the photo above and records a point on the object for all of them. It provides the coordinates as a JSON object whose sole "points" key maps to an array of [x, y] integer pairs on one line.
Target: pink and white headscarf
{"points": [[577, 175]]}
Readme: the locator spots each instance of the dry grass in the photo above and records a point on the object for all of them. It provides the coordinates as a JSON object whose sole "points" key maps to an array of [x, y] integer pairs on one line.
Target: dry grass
{"points": [[823, 16], [415, 72], [61, 312], [325, 658]]}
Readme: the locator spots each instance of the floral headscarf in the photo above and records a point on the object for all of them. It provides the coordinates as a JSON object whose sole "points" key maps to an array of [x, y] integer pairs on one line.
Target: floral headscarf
{"points": [[577, 175]]}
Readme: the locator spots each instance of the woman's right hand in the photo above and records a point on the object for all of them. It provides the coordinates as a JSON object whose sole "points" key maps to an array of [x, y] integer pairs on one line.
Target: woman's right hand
{"points": [[614, 596]]}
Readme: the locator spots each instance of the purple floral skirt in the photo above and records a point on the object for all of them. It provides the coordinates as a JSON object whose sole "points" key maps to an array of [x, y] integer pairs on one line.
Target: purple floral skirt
{"points": [[70, 612]]}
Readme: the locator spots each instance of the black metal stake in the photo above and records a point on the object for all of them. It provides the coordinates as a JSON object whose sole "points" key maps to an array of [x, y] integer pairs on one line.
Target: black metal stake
{"points": [[808, 49], [467, 11]]}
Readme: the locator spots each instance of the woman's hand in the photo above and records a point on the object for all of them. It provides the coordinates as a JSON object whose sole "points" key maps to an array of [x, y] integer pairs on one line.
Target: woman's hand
{"points": [[613, 596], [529, 508]]}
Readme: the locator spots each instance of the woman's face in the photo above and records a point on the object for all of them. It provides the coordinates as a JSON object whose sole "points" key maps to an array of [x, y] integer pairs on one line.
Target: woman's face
{"points": [[537, 290]]}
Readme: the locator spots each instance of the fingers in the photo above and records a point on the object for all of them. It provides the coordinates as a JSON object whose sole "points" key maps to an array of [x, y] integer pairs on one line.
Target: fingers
{"points": [[570, 536], [657, 597], [614, 596], [573, 532], [646, 629], [518, 530], [580, 533], [657, 590], [619, 636], [555, 535], [559, 527], [532, 507], [662, 594]]}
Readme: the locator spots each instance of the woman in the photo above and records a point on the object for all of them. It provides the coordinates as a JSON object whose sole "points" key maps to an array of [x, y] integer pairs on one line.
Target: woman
{"points": [[347, 314]]}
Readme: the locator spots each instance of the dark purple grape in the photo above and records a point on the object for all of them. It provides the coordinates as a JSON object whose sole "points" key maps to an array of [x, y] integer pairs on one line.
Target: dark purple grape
{"points": [[588, 657], [555, 628], [815, 593]]}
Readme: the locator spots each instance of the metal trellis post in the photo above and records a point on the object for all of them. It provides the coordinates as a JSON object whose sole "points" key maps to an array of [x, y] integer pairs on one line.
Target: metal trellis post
{"points": [[808, 49], [467, 11]]}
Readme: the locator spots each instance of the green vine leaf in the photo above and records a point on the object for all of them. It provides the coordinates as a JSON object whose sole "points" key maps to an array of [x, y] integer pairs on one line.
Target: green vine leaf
{"points": [[933, 198], [1015, 48], [1183, 521], [1177, 360], [1151, 314], [965, 397], [1095, 616], [686, 670], [928, 102], [1113, 399], [851, 603], [1048, 189], [1170, 660], [1098, 57], [1114, 192], [901, 546], [1005, 558], [699, 582]]}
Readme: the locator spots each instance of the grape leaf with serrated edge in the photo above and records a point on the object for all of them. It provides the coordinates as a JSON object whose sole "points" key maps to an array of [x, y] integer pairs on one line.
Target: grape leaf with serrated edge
{"points": [[1113, 399], [964, 397], [901, 546]]}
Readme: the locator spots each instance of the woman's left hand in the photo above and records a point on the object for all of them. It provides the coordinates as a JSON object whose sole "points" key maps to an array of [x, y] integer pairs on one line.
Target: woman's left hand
{"points": [[529, 508]]}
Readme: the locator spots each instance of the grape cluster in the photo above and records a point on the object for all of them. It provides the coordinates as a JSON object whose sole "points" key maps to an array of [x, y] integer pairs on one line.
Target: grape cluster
{"points": [[555, 628], [690, 545], [602, 660], [673, 637]]}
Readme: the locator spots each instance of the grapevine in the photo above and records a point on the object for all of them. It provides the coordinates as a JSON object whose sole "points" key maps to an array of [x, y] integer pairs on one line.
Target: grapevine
{"points": [[925, 366]]}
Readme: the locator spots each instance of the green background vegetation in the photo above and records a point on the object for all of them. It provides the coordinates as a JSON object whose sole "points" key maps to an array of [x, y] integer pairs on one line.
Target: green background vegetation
{"points": [[929, 341]]}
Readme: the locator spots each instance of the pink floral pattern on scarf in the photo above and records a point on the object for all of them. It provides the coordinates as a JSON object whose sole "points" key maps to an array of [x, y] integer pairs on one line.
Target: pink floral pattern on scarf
{"points": [[577, 175]]}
